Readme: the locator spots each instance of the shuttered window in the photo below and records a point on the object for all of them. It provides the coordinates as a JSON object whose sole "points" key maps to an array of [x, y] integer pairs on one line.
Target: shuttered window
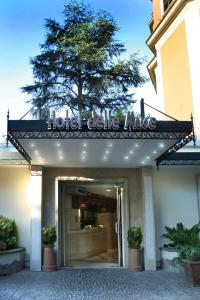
{"points": [[166, 3]]}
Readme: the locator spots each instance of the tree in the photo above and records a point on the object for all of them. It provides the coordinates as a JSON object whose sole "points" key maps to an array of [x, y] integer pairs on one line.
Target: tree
{"points": [[79, 65]]}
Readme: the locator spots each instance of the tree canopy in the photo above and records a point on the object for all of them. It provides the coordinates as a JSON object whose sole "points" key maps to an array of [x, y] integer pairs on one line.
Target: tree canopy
{"points": [[80, 66]]}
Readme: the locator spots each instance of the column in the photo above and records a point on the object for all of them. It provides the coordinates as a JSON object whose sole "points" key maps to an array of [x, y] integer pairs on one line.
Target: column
{"points": [[36, 199], [149, 221]]}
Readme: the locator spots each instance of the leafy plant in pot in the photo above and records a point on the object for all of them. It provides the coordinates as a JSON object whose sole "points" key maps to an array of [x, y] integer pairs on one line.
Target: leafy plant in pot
{"points": [[190, 256], [48, 240], [134, 242], [187, 243]]}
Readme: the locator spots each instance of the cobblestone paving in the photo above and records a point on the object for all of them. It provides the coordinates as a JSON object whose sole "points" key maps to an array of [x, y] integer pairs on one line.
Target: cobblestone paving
{"points": [[88, 284]]}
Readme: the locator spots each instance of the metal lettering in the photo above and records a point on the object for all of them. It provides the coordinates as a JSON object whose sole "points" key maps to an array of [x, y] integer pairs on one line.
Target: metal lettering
{"points": [[152, 123], [73, 123], [60, 123]]}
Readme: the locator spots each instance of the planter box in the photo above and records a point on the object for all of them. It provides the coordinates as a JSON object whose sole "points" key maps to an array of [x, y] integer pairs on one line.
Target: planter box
{"points": [[192, 271], [169, 260], [11, 261]]}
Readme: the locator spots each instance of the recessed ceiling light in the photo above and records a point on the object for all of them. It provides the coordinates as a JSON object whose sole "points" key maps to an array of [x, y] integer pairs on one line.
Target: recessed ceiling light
{"points": [[154, 152], [105, 157], [142, 162], [136, 146], [161, 145], [131, 151], [85, 145], [61, 157], [126, 157], [84, 152], [148, 157], [36, 152], [107, 151], [108, 190], [32, 145], [110, 145], [58, 144]]}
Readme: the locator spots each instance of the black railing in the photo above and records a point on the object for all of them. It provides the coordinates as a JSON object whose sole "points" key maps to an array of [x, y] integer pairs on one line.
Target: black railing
{"points": [[166, 3]]}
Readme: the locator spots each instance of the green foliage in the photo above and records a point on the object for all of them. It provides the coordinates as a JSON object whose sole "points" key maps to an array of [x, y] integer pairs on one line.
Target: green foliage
{"points": [[185, 240], [180, 235], [49, 235], [79, 65], [189, 252], [8, 232], [134, 236]]}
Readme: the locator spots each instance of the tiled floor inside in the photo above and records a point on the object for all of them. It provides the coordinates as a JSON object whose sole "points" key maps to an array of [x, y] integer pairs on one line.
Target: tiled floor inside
{"points": [[101, 260]]}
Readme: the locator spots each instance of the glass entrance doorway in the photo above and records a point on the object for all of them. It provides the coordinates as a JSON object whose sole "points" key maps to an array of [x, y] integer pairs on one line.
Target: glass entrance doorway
{"points": [[90, 224]]}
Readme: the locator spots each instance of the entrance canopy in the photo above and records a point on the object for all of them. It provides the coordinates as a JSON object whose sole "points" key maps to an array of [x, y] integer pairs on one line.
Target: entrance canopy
{"points": [[122, 147]]}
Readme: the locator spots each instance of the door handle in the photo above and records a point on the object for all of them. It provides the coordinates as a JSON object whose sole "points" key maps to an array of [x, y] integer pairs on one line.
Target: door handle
{"points": [[116, 227]]}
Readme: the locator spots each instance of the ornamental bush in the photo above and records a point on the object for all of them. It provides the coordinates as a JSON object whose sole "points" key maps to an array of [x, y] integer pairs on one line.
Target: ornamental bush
{"points": [[134, 236], [8, 234], [49, 235], [181, 236]]}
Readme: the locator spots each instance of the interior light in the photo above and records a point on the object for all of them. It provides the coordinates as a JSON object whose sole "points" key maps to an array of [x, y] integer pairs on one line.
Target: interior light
{"points": [[131, 151], [84, 152], [148, 157], [161, 145], [85, 145], [32, 145], [58, 144], [107, 151], [108, 190], [110, 145], [136, 145], [126, 157], [154, 152], [142, 162]]}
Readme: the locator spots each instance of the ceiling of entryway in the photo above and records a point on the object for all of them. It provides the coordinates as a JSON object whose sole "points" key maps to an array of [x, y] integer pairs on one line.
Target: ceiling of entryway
{"points": [[104, 153]]}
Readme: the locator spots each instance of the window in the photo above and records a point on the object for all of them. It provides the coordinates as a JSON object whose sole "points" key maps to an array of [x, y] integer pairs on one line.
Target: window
{"points": [[166, 3]]}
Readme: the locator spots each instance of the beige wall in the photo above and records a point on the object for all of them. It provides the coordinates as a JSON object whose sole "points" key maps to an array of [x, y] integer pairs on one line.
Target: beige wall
{"points": [[14, 201], [176, 75], [175, 196]]}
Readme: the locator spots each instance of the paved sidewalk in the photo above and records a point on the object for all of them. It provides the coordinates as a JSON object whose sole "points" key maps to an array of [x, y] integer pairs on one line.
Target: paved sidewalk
{"points": [[101, 284]]}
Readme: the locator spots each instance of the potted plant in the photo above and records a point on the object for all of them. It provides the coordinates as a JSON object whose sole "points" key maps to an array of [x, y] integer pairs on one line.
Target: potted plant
{"points": [[187, 244], [190, 257], [134, 242], [48, 242], [11, 255]]}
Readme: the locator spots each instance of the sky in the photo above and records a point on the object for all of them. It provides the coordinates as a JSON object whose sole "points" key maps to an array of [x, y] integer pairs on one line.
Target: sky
{"points": [[22, 31]]}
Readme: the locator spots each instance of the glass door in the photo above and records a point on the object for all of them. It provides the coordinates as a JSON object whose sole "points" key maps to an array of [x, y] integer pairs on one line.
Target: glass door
{"points": [[91, 225]]}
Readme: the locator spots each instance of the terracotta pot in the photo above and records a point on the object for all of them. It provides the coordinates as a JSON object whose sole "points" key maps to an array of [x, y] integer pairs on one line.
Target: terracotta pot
{"points": [[134, 260], [192, 271], [49, 264]]}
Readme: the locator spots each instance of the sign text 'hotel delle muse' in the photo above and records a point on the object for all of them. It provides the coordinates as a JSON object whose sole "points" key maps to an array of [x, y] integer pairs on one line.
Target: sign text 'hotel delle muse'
{"points": [[106, 122]]}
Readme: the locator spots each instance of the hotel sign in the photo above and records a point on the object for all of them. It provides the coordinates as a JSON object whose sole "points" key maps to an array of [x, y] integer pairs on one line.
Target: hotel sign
{"points": [[106, 122]]}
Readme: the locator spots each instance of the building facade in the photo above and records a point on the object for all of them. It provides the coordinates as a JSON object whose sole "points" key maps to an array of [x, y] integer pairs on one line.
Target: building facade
{"points": [[94, 181], [174, 42]]}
